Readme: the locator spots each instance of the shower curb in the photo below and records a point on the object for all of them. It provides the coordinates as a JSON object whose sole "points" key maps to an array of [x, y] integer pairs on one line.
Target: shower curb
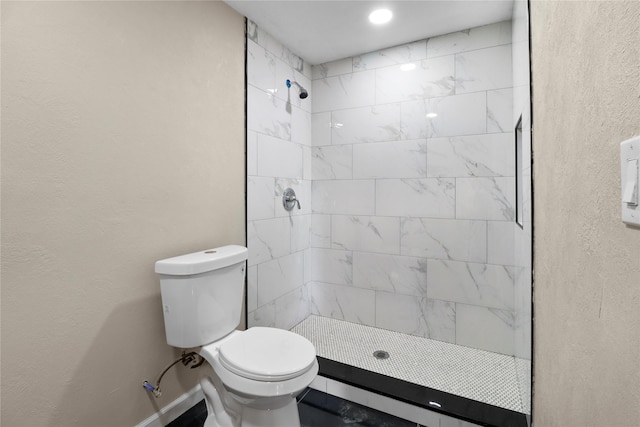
{"points": [[423, 397]]}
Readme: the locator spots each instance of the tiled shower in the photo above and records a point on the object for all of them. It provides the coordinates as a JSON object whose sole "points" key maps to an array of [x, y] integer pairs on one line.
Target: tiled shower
{"points": [[403, 161]]}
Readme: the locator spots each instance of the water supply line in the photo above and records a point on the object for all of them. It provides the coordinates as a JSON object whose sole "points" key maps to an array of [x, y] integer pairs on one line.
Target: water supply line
{"points": [[192, 358]]}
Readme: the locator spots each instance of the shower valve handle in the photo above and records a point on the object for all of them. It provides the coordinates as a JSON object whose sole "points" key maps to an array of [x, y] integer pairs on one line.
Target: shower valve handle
{"points": [[289, 199]]}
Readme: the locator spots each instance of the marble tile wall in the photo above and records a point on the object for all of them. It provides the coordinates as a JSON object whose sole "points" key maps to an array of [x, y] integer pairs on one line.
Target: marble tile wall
{"points": [[406, 185], [279, 154], [412, 189]]}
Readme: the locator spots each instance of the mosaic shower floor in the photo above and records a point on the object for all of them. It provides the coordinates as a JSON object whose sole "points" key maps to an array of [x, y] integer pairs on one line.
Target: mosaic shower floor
{"points": [[491, 378]]}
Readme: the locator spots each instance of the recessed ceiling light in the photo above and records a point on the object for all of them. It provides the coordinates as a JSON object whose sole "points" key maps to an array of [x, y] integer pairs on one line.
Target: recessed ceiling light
{"points": [[380, 16], [408, 67], [432, 115]]}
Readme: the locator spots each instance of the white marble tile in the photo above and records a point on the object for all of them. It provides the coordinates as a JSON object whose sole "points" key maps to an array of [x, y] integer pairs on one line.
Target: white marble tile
{"points": [[252, 288], [303, 194], [252, 153], [284, 54], [500, 111], [500, 241], [267, 114], [485, 328], [484, 69], [264, 39], [308, 265], [368, 124], [332, 162], [261, 67], [320, 234], [431, 78], [427, 197], [343, 197], [523, 289], [254, 32], [401, 313], [522, 335], [295, 62], [343, 302], [397, 55], [485, 198], [260, 191], [334, 68], [390, 273], [300, 126], [457, 115], [300, 231], [292, 308], [459, 240], [413, 120], [279, 158], [279, 51], [332, 266], [306, 163], [279, 276], [471, 283], [306, 69], [472, 39], [263, 316], [345, 91], [321, 129], [396, 159], [366, 233], [268, 239], [472, 155], [441, 320]]}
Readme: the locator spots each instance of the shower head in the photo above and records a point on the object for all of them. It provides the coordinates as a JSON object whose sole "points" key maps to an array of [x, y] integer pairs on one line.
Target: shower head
{"points": [[303, 91]]}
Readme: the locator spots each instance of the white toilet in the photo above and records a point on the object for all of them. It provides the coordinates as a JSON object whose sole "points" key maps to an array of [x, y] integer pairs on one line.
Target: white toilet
{"points": [[258, 372]]}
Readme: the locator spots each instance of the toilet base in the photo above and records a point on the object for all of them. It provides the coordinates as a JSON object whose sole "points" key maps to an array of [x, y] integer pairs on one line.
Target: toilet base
{"points": [[227, 409], [286, 415]]}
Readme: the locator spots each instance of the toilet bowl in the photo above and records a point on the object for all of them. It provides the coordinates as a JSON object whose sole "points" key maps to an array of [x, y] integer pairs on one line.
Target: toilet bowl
{"points": [[257, 373]]}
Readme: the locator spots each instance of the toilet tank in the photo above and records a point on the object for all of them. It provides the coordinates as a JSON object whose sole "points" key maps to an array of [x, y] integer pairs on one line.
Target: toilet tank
{"points": [[202, 294]]}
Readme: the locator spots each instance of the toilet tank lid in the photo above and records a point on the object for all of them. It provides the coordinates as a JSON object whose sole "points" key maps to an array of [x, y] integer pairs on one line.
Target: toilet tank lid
{"points": [[202, 261]]}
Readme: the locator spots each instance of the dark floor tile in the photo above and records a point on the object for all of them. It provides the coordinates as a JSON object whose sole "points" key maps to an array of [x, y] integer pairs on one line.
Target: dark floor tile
{"points": [[319, 409], [316, 409], [194, 417]]}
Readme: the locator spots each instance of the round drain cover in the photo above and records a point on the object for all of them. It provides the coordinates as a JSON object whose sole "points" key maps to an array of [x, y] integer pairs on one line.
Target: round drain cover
{"points": [[381, 354]]}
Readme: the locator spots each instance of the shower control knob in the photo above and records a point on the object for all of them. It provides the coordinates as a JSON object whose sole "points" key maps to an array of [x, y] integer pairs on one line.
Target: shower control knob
{"points": [[289, 199]]}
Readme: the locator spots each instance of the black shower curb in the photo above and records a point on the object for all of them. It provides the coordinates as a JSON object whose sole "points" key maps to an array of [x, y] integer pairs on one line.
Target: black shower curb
{"points": [[417, 395]]}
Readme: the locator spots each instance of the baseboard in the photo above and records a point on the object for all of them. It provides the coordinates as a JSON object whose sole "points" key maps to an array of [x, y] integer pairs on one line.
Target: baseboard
{"points": [[174, 409]]}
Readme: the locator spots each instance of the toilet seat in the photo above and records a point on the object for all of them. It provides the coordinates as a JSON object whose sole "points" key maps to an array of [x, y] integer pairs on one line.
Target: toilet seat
{"points": [[267, 354], [276, 382]]}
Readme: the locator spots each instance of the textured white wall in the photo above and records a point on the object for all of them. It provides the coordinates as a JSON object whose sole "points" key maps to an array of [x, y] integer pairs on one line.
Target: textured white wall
{"points": [[586, 94], [123, 143]]}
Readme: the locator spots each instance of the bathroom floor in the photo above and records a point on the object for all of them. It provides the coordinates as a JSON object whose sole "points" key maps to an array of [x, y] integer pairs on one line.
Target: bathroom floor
{"points": [[316, 409], [479, 375]]}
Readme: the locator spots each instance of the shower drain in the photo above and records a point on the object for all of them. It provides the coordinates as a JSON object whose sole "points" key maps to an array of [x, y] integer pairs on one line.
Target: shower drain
{"points": [[381, 354]]}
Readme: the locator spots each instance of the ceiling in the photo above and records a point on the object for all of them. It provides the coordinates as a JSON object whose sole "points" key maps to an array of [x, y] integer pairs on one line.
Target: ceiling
{"points": [[323, 31]]}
